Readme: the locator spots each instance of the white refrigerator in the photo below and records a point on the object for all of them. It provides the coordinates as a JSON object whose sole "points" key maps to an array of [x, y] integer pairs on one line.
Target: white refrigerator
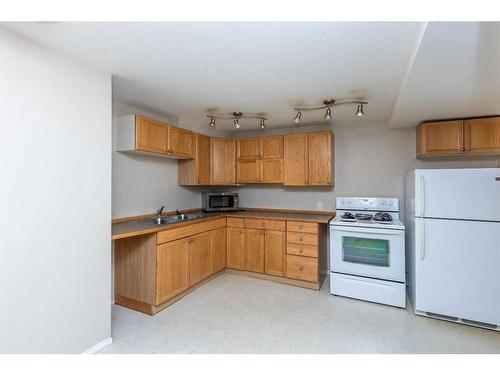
{"points": [[453, 244]]}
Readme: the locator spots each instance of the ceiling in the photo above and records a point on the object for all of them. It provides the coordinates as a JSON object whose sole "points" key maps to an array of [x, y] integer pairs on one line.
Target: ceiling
{"points": [[407, 71]]}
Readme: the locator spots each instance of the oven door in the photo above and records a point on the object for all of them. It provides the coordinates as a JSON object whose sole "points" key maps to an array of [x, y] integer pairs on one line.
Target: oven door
{"points": [[369, 252]]}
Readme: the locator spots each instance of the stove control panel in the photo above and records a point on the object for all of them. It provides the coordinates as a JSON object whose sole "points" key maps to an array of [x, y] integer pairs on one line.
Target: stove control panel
{"points": [[369, 204]]}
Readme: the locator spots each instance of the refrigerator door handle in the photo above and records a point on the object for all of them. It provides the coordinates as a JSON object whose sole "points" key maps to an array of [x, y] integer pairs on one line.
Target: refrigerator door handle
{"points": [[422, 196], [422, 239]]}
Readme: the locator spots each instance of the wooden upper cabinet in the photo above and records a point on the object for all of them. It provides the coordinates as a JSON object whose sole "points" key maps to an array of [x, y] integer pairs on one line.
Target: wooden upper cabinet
{"points": [[172, 269], [275, 252], [200, 257], [248, 148], [150, 135], [482, 135], [271, 147], [196, 171], [248, 171], [180, 142], [254, 250], [440, 138], [295, 160], [320, 158], [222, 161], [271, 171], [474, 136]]}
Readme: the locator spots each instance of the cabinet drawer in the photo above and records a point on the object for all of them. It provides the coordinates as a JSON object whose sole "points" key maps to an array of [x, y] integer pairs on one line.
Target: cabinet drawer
{"points": [[235, 222], [302, 238], [302, 268], [184, 231], [265, 224], [219, 223], [302, 250], [297, 226]]}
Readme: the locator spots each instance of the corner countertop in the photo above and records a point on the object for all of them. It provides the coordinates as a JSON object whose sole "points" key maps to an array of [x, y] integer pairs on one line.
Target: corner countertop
{"points": [[132, 228]]}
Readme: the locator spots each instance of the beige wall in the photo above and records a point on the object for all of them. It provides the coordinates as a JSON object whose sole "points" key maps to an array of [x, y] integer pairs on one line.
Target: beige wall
{"points": [[370, 160], [55, 201]]}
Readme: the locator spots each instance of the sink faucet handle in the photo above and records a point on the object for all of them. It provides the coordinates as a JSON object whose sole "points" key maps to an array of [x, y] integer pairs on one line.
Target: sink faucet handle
{"points": [[160, 210]]}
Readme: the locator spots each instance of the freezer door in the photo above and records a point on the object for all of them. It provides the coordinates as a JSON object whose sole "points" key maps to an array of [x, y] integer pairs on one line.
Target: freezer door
{"points": [[472, 194], [457, 269]]}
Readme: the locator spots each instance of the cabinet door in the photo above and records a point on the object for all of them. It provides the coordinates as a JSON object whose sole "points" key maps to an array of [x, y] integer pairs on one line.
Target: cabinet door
{"points": [[150, 135], [271, 171], [271, 147], [235, 248], [482, 135], [254, 250], [202, 159], [180, 142], [295, 169], [172, 269], [222, 161], [440, 138], [248, 171], [248, 148], [219, 249], [200, 257], [275, 245], [320, 158]]}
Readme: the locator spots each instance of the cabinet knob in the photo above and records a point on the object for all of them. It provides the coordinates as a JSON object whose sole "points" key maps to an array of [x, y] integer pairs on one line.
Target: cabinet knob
{"points": [[301, 238], [467, 149], [263, 224], [301, 268], [301, 250], [301, 226]]}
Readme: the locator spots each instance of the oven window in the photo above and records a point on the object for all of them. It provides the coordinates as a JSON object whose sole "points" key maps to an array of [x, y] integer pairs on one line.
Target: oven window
{"points": [[369, 251], [221, 201]]}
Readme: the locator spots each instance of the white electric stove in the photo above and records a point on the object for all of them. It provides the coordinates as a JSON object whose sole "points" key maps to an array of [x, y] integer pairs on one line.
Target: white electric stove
{"points": [[367, 252]]}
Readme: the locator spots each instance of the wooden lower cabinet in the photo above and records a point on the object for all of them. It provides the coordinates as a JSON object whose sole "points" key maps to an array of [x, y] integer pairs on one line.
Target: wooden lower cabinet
{"points": [[302, 268], [219, 249], [236, 248], [172, 269], [200, 257], [254, 250], [275, 243]]}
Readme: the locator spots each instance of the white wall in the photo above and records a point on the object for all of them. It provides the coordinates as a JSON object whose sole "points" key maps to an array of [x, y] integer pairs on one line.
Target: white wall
{"points": [[141, 183], [370, 160], [55, 200]]}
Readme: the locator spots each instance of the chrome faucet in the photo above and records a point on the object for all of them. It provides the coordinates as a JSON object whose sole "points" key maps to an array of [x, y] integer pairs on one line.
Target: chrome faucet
{"points": [[177, 212], [160, 210]]}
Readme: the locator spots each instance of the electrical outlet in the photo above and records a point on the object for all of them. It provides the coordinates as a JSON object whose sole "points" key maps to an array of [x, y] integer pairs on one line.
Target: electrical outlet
{"points": [[319, 205]]}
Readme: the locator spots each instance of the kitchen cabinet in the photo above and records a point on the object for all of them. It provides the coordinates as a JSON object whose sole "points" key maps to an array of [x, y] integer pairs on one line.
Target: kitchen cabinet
{"points": [[200, 257], [222, 161], [260, 160], [254, 250], [275, 245], [308, 159], [219, 249], [197, 170], [137, 133], [303, 243], [474, 136], [172, 273], [236, 248]]}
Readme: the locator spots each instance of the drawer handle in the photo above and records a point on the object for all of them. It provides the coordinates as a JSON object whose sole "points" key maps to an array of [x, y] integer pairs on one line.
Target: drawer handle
{"points": [[301, 226], [301, 250], [301, 268], [263, 224]]}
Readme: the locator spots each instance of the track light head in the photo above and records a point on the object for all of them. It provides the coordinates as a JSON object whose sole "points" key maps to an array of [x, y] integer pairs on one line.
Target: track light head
{"points": [[236, 124], [212, 123], [360, 112], [328, 114], [296, 119], [262, 124]]}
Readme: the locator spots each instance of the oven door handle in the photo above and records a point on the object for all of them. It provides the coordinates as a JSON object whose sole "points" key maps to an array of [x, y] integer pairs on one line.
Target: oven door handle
{"points": [[371, 231]]}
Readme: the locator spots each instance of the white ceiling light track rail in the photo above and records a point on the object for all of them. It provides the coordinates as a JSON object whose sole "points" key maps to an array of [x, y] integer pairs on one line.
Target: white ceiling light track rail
{"points": [[327, 104], [236, 116]]}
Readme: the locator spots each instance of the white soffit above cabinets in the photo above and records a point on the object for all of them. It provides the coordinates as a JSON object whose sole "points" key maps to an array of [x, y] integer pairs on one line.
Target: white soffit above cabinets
{"points": [[407, 71]]}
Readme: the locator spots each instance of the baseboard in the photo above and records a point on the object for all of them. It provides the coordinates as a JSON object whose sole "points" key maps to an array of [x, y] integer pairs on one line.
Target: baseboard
{"points": [[99, 346]]}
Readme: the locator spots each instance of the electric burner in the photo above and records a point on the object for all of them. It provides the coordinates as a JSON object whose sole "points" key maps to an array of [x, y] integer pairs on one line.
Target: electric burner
{"points": [[348, 217], [364, 217], [383, 217]]}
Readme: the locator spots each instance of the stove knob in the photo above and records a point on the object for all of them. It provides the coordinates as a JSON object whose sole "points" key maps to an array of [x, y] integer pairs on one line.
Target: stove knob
{"points": [[389, 203]]}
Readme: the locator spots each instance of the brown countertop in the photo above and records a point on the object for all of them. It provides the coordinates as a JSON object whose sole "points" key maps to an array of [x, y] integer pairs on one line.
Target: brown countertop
{"points": [[133, 228]]}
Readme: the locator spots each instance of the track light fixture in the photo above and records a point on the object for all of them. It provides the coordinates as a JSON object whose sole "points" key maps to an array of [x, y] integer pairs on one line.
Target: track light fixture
{"points": [[235, 116], [328, 103]]}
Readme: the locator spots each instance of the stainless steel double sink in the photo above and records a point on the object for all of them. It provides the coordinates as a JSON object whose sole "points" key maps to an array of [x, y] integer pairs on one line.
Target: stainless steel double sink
{"points": [[162, 220]]}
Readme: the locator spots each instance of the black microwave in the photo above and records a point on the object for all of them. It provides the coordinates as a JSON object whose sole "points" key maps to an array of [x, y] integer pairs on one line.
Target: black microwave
{"points": [[220, 201]]}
